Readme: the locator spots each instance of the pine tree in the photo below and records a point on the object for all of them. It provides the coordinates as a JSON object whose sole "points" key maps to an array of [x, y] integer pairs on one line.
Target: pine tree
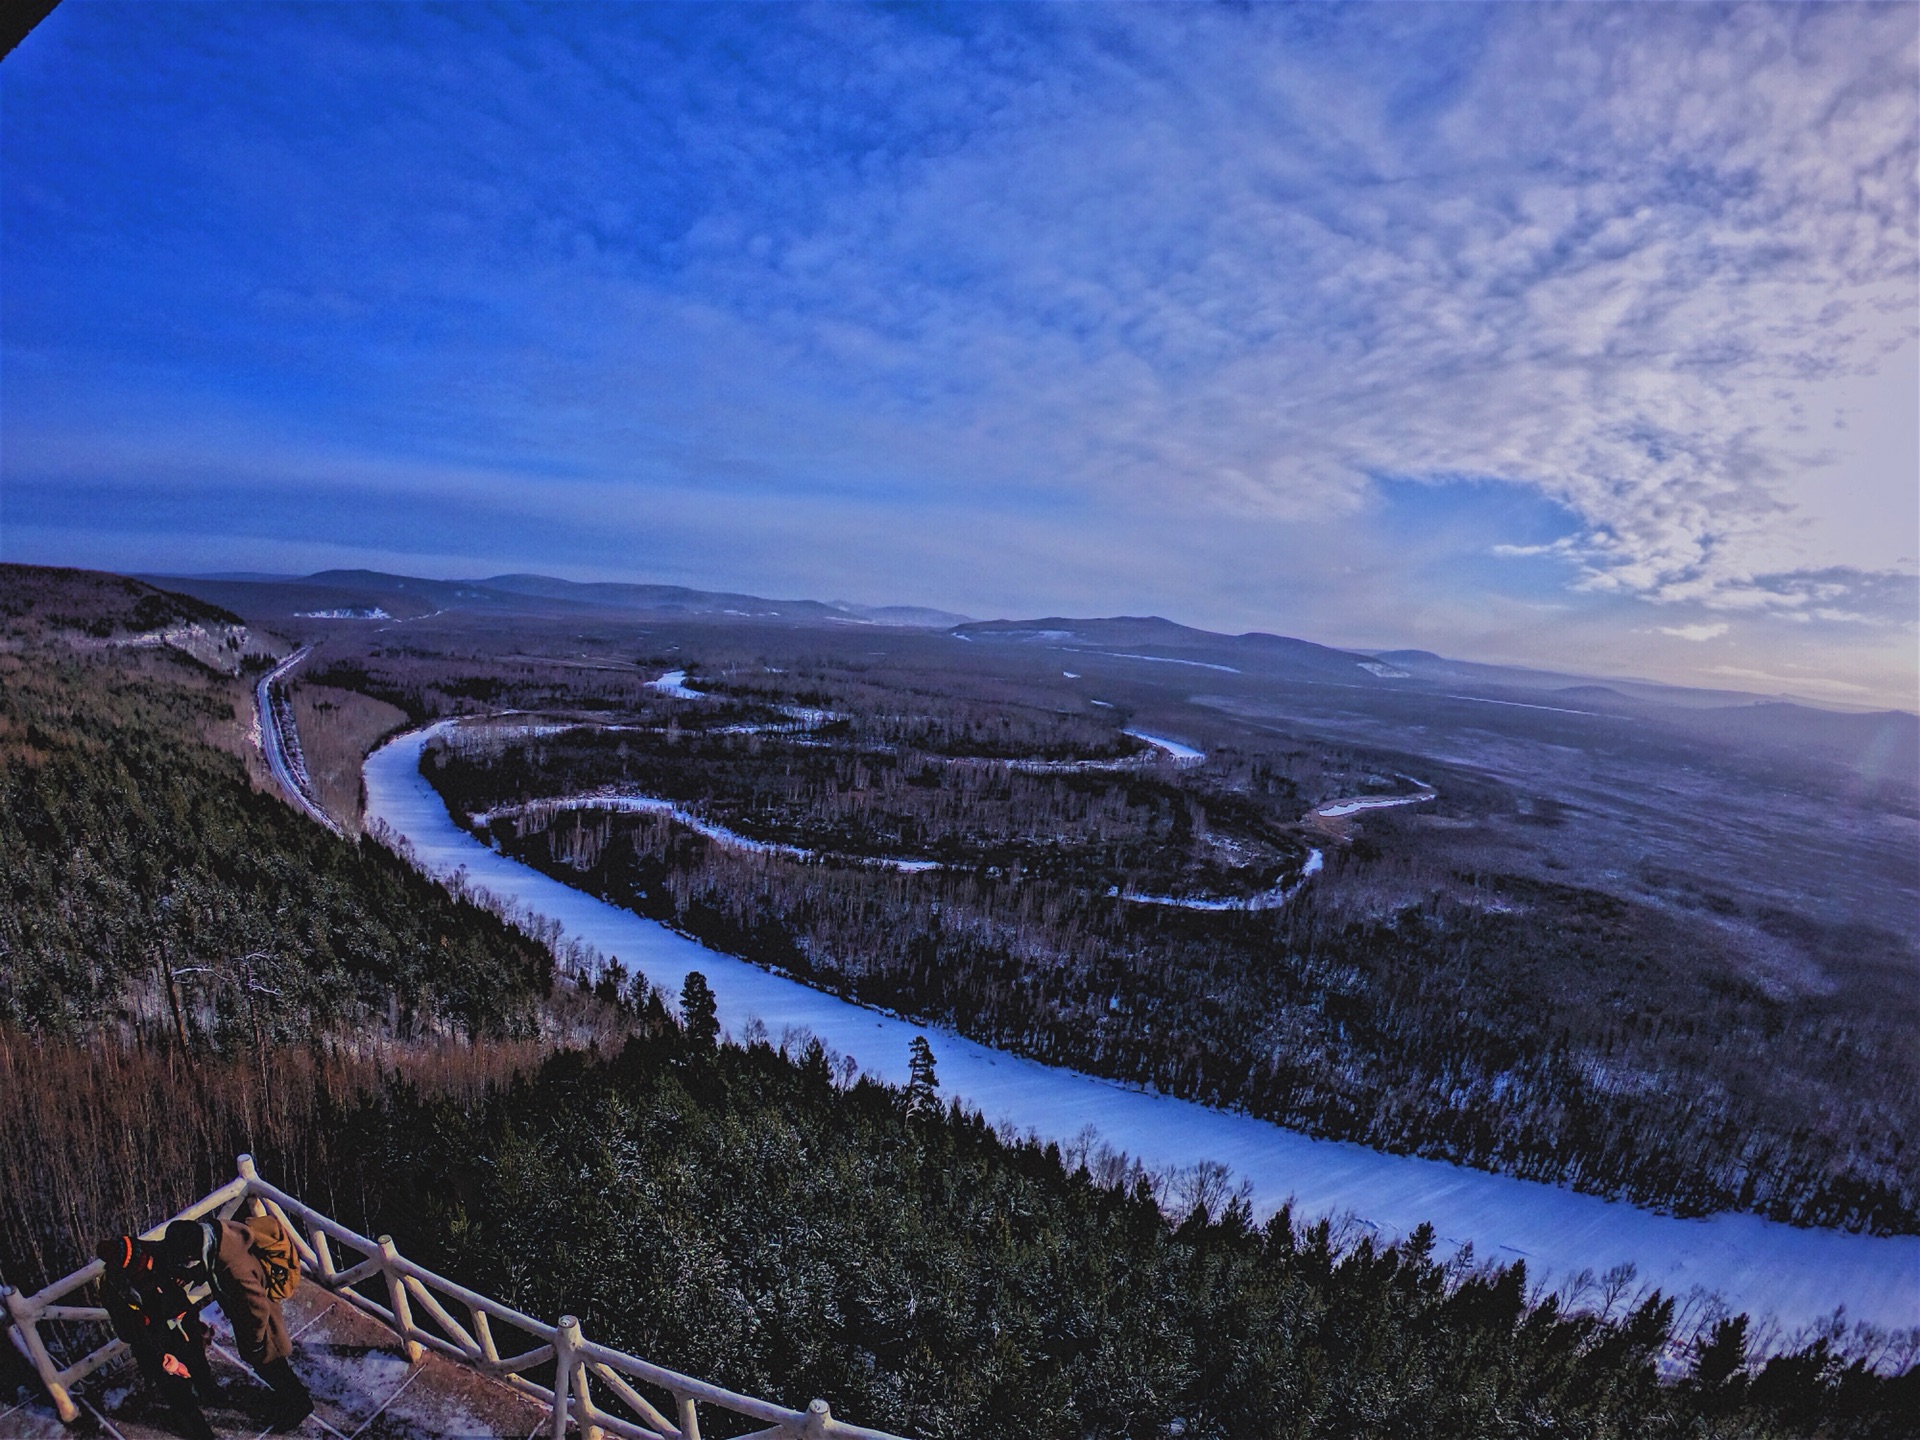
{"points": [[923, 1082], [699, 1013]]}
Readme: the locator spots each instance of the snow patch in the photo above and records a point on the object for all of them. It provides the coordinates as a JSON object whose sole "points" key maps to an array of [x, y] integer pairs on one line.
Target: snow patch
{"points": [[1181, 754], [1266, 900], [1333, 809], [674, 683], [1169, 660]]}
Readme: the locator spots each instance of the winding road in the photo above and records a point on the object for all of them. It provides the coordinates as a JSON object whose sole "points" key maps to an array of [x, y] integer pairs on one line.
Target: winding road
{"points": [[281, 745]]}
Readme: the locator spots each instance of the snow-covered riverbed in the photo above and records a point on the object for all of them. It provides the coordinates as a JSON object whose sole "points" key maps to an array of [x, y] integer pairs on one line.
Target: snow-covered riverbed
{"points": [[1336, 808], [1756, 1265], [620, 803]]}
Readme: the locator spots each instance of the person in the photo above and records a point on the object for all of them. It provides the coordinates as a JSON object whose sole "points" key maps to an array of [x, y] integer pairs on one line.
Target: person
{"points": [[148, 1306], [221, 1253]]}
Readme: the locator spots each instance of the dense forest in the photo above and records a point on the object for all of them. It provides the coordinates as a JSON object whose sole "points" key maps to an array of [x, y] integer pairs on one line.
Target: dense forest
{"points": [[1546, 1030], [1102, 824], [748, 1215], [739, 1213]]}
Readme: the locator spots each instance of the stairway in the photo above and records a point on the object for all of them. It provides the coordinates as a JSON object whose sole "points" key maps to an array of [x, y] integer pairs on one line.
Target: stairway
{"points": [[362, 1390], [419, 1358]]}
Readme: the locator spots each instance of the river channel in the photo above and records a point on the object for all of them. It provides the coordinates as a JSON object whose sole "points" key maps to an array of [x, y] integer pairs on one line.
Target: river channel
{"points": [[1765, 1268]]}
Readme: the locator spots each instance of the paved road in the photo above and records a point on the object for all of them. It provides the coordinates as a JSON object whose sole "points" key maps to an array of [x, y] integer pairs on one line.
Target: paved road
{"points": [[281, 749]]}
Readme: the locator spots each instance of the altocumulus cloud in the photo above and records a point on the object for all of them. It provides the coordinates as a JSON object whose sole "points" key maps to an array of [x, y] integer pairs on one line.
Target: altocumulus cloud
{"points": [[1025, 263], [1604, 253]]}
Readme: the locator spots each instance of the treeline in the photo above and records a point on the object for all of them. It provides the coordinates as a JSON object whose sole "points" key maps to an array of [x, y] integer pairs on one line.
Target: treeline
{"points": [[428, 685], [738, 1214], [987, 720], [101, 1137], [1543, 1031], [36, 599]]}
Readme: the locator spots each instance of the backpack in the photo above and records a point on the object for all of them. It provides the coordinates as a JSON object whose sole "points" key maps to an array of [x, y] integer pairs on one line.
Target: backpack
{"points": [[272, 1246]]}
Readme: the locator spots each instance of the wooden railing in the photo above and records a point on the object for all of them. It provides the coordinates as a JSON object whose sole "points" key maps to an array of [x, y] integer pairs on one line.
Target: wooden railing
{"points": [[459, 1324]]}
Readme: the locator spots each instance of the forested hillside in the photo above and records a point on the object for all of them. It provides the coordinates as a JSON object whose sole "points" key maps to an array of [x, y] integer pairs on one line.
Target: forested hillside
{"points": [[150, 887], [737, 1213]]}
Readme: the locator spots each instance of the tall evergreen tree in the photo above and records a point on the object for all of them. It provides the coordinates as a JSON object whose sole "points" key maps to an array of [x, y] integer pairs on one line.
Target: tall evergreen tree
{"points": [[923, 1082], [699, 1012]]}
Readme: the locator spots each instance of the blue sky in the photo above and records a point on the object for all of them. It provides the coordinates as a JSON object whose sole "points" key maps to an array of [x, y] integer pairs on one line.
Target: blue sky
{"points": [[1564, 335]]}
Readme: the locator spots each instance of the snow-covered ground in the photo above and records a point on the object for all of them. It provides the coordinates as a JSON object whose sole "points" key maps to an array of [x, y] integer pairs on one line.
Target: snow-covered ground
{"points": [[1173, 748], [1266, 900], [1756, 1265], [674, 683], [1335, 808], [1166, 660]]}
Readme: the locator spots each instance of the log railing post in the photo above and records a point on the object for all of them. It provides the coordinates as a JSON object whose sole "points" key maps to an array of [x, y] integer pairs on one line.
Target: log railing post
{"points": [[27, 1327], [566, 1341], [323, 1252], [583, 1398], [819, 1417], [397, 1300], [689, 1417], [483, 1332]]}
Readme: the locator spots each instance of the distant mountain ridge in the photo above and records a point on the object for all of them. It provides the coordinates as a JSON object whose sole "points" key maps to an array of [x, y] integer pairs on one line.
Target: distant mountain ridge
{"points": [[370, 589], [1146, 638], [1154, 638]]}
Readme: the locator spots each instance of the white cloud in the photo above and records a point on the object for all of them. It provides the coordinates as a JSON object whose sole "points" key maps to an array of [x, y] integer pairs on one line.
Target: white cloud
{"points": [[1619, 266], [1696, 632]]}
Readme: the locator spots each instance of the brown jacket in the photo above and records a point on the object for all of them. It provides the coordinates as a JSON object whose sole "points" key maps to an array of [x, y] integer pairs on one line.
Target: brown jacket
{"points": [[240, 1280]]}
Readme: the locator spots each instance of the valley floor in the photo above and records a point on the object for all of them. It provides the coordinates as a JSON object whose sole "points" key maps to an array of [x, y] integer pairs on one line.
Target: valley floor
{"points": [[1796, 1276]]}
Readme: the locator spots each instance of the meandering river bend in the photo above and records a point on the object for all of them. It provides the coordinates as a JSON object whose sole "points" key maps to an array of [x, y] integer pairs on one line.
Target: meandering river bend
{"points": [[1755, 1265]]}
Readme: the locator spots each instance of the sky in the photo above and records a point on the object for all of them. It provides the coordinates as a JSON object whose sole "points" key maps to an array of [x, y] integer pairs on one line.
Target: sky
{"points": [[1582, 336]]}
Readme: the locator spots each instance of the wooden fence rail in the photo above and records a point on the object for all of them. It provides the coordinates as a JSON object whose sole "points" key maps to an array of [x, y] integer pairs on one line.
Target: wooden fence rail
{"points": [[426, 1312]]}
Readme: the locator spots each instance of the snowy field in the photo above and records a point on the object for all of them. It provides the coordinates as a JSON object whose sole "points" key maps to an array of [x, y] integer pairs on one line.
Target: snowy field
{"points": [[1765, 1268]]}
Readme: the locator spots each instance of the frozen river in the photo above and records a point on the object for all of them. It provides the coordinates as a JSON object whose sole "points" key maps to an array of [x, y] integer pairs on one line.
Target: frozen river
{"points": [[1755, 1265]]}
